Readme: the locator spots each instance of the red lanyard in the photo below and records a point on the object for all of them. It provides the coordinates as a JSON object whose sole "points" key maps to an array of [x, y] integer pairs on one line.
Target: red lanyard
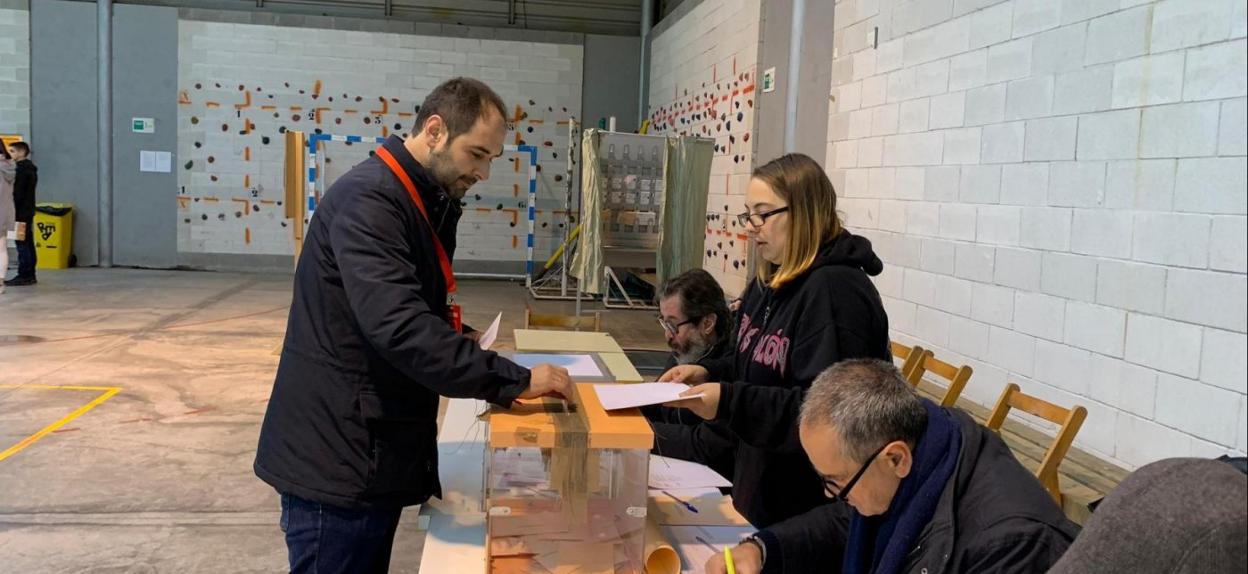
{"points": [[456, 317]]}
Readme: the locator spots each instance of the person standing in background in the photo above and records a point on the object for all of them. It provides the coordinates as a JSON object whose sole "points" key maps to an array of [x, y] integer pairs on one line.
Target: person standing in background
{"points": [[8, 214], [24, 181]]}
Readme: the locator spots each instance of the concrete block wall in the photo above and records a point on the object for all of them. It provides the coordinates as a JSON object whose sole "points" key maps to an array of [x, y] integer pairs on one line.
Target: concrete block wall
{"points": [[702, 82], [1058, 190], [14, 70], [242, 85]]}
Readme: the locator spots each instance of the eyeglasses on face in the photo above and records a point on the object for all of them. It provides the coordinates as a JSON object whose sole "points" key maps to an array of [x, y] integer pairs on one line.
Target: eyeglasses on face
{"points": [[839, 494], [670, 328], [759, 219]]}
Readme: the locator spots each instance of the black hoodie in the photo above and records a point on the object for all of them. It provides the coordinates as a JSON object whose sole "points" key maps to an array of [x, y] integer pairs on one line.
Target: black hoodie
{"points": [[24, 182], [784, 339]]}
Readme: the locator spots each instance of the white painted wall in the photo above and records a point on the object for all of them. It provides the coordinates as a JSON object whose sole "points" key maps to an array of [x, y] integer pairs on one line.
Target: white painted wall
{"points": [[1058, 190], [702, 74], [354, 83], [15, 72]]}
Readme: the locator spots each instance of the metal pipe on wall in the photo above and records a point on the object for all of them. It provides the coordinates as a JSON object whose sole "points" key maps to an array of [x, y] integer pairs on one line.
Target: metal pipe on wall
{"points": [[643, 96], [104, 110], [794, 71]]}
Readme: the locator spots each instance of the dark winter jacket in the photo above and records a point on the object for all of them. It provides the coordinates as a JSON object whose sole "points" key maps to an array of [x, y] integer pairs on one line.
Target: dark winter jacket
{"points": [[784, 339], [352, 420], [24, 183], [994, 516]]}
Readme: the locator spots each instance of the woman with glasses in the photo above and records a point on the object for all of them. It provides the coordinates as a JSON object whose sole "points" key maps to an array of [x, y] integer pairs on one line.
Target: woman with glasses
{"points": [[812, 304]]}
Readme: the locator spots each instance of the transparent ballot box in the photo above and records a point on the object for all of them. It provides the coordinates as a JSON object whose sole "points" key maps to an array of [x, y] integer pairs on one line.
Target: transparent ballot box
{"points": [[566, 487]]}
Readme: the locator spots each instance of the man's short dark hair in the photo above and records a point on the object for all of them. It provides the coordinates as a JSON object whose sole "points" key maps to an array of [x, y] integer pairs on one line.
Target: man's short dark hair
{"points": [[869, 404], [700, 296], [460, 102], [25, 147]]}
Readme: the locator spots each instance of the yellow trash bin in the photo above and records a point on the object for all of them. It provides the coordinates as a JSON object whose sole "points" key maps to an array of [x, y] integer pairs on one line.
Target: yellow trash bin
{"points": [[54, 234]]}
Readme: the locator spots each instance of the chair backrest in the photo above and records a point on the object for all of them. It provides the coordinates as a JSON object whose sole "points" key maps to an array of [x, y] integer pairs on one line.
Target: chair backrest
{"points": [[592, 322], [957, 377], [911, 361], [1070, 420]]}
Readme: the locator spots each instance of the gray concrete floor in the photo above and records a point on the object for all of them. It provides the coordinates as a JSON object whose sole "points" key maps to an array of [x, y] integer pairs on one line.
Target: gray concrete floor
{"points": [[157, 478]]}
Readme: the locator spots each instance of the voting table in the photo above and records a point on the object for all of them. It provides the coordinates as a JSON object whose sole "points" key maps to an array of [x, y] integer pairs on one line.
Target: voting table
{"points": [[681, 526]]}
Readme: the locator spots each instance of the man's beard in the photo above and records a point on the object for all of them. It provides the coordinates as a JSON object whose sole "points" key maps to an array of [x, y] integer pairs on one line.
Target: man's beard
{"points": [[693, 350], [443, 171]]}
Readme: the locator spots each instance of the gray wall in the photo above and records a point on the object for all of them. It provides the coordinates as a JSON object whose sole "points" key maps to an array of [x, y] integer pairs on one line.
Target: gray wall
{"points": [[610, 82], [814, 82], [145, 75], [63, 113]]}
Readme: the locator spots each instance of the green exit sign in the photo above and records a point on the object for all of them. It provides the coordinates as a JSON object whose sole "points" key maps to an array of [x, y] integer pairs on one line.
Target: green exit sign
{"points": [[143, 126]]}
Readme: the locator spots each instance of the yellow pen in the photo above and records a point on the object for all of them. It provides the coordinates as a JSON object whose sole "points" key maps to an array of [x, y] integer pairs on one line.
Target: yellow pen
{"points": [[732, 568]]}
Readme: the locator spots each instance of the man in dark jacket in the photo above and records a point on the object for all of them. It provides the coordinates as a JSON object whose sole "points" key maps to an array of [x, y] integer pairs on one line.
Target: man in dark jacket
{"points": [[373, 339], [24, 182], [917, 488], [698, 326]]}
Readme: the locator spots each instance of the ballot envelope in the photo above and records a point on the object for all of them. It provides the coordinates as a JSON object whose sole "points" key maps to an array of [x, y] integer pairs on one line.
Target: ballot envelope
{"points": [[566, 487]]}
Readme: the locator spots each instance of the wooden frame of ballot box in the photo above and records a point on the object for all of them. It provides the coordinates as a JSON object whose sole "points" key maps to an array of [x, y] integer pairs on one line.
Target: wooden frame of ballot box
{"points": [[566, 487]]}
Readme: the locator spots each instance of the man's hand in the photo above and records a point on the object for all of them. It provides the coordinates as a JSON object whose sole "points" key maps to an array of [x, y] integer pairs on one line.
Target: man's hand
{"points": [[705, 406], [474, 335], [746, 558], [548, 380], [687, 374]]}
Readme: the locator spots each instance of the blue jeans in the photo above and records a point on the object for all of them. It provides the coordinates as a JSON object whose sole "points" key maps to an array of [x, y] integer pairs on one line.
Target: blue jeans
{"points": [[26, 258], [325, 539]]}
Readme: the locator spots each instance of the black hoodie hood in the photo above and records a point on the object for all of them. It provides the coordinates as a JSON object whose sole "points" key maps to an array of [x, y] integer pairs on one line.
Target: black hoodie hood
{"points": [[849, 250], [30, 165]]}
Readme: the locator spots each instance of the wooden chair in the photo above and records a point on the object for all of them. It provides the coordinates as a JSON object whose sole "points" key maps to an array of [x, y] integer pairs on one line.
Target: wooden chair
{"points": [[912, 361], [1069, 419], [592, 322], [957, 376]]}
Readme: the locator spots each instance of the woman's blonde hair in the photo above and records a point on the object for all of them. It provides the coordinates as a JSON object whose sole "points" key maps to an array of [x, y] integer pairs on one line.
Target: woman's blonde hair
{"points": [[812, 215]]}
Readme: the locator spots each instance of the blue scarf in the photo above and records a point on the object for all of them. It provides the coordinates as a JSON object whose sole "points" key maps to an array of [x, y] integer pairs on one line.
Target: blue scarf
{"points": [[881, 544]]}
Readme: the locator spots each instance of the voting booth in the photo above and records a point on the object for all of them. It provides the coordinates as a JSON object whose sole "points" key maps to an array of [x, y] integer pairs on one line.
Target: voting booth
{"points": [[566, 484]]}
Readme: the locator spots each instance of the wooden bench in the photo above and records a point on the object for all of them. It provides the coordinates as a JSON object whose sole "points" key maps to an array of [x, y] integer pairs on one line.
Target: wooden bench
{"points": [[1084, 478]]}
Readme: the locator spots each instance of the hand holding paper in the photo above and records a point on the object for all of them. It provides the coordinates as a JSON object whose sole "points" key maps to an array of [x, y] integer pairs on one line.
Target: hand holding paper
{"points": [[702, 399]]}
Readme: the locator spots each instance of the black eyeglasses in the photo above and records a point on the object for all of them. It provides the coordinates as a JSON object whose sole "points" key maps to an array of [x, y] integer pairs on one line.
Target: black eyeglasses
{"points": [[670, 328], [758, 219], [843, 493]]}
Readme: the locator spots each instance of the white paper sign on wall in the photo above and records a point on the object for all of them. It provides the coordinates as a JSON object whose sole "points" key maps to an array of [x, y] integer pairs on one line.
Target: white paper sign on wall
{"points": [[769, 79]]}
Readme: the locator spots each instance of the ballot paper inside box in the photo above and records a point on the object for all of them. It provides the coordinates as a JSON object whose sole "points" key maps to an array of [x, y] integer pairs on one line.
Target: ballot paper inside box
{"points": [[566, 487]]}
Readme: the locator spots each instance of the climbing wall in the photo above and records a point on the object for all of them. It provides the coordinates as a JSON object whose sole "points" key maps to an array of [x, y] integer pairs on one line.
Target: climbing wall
{"points": [[242, 86], [702, 84]]}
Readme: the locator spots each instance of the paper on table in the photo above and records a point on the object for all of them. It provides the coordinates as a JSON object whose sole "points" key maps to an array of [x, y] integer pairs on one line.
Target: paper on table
{"points": [[673, 473], [697, 544], [615, 397], [578, 365], [488, 337]]}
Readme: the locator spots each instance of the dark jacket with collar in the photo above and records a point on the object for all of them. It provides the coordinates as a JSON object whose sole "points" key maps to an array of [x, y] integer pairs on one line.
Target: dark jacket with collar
{"points": [[785, 337], [24, 183], [994, 516], [352, 420]]}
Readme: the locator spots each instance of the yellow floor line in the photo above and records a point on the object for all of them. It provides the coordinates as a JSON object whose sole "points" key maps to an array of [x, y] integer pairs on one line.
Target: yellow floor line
{"points": [[108, 392]]}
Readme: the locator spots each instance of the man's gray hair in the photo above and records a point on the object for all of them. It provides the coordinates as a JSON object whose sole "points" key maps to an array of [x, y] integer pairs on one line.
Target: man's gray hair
{"points": [[868, 403]]}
